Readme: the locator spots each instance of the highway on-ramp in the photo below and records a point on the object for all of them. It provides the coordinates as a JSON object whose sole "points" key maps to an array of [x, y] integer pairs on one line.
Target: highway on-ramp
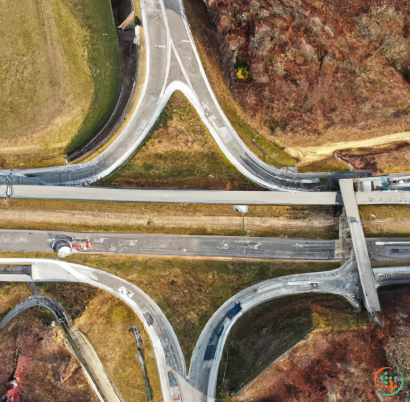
{"points": [[202, 378], [167, 350], [172, 63], [206, 358]]}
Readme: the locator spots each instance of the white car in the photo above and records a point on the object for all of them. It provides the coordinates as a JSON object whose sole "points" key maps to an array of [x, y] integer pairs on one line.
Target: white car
{"points": [[123, 291]]}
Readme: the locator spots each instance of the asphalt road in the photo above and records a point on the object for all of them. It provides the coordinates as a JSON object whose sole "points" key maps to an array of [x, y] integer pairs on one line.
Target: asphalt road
{"points": [[382, 249], [371, 297], [176, 245], [166, 347], [172, 64], [205, 361]]}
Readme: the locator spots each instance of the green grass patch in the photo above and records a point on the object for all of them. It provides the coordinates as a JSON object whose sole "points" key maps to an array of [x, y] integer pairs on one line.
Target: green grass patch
{"points": [[104, 62], [260, 146]]}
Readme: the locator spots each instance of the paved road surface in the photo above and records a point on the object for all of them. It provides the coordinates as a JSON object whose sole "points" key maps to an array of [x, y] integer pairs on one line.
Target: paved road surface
{"points": [[196, 196], [167, 350], [93, 368], [385, 249], [371, 298], [173, 64], [178, 245], [207, 354], [173, 196]]}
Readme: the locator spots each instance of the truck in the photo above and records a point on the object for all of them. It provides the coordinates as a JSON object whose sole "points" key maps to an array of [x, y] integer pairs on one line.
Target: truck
{"points": [[65, 245]]}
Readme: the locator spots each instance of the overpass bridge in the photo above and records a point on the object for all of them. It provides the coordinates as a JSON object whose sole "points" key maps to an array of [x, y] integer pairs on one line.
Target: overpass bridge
{"points": [[368, 284]]}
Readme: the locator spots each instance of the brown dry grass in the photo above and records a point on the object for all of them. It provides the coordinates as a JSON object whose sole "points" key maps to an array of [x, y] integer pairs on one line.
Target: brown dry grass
{"points": [[180, 153], [106, 323], [309, 222], [386, 220], [255, 136]]}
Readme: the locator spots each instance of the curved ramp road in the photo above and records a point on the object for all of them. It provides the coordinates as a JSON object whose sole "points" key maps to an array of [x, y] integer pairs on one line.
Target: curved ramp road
{"points": [[167, 350], [203, 372], [84, 352], [173, 64], [208, 350]]}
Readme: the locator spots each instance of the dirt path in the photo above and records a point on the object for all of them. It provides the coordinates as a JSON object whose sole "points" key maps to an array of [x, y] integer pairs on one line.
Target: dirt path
{"points": [[311, 154], [310, 227]]}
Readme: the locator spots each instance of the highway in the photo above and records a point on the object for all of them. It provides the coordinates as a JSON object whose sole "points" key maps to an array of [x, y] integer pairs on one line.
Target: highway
{"points": [[93, 368], [175, 245], [381, 249], [172, 63], [367, 281]]}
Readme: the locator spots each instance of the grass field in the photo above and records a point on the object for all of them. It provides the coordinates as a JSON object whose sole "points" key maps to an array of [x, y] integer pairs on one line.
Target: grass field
{"points": [[179, 153], [60, 76], [105, 321], [386, 220], [310, 222], [325, 165], [189, 291]]}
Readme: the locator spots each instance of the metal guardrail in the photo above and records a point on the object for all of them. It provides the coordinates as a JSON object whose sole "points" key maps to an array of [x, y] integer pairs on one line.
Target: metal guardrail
{"points": [[140, 345]]}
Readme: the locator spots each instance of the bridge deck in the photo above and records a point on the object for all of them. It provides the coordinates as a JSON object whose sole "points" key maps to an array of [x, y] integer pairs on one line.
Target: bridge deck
{"points": [[371, 297]]}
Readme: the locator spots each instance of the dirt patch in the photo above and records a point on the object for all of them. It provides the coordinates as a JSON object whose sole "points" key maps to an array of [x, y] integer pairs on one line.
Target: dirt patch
{"points": [[309, 222], [338, 362], [393, 158], [31, 336]]}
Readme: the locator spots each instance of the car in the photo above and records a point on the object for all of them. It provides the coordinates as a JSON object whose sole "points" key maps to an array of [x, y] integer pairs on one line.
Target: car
{"points": [[175, 393], [123, 291]]}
